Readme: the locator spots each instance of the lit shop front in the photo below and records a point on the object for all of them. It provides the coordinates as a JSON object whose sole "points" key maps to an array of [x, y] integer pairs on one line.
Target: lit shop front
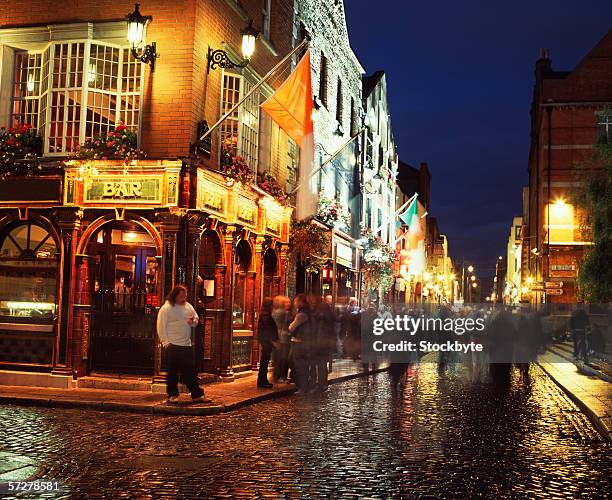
{"points": [[340, 276], [242, 259], [88, 254], [82, 267]]}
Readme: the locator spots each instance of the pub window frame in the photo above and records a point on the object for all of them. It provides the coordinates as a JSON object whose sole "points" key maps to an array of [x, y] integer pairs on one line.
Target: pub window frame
{"points": [[7, 233], [75, 59]]}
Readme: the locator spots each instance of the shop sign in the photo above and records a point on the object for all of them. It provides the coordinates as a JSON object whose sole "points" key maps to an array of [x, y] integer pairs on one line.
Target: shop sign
{"points": [[344, 254], [554, 284], [246, 213], [211, 197], [128, 189], [273, 226]]}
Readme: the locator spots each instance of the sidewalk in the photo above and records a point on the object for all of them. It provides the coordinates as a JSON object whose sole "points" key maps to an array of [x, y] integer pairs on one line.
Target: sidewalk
{"points": [[590, 393], [225, 396]]}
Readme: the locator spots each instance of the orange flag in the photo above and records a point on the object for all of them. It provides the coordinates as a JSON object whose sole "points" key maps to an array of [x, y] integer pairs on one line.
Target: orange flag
{"points": [[291, 105], [291, 108]]}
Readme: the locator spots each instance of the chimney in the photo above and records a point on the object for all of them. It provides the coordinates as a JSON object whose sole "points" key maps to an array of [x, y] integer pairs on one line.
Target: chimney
{"points": [[543, 65]]}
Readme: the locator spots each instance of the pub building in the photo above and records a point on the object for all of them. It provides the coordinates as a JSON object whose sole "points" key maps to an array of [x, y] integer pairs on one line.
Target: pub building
{"points": [[85, 262], [89, 249]]}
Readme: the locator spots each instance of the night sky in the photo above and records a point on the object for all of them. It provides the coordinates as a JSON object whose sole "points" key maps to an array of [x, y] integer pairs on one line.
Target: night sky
{"points": [[460, 77]]}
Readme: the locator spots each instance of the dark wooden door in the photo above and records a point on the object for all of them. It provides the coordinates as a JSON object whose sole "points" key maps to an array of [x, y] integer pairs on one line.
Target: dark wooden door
{"points": [[125, 303]]}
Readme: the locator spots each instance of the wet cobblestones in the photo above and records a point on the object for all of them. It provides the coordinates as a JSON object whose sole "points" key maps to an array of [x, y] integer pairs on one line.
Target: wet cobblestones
{"points": [[441, 435]]}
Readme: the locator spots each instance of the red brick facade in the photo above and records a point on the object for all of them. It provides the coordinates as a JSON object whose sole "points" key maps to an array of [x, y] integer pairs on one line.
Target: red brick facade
{"points": [[564, 117], [179, 93]]}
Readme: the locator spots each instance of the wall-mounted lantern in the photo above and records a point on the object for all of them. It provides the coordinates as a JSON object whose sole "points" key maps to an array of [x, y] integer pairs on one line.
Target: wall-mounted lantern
{"points": [[136, 25], [219, 58]]}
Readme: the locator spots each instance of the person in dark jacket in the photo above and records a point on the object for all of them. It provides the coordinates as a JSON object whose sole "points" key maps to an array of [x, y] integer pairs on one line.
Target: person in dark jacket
{"points": [[579, 323], [301, 342], [267, 334]]}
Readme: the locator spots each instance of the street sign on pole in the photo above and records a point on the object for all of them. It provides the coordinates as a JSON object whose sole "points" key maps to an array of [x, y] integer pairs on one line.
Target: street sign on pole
{"points": [[554, 291]]}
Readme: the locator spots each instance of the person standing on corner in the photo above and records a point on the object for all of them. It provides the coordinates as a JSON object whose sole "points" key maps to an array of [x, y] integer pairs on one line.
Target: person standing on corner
{"points": [[175, 320], [267, 334]]}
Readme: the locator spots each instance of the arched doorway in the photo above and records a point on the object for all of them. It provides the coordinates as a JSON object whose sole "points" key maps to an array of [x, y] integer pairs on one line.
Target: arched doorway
{"points": [[271, 280], [243, 257], [125, 297], [209, 301]]}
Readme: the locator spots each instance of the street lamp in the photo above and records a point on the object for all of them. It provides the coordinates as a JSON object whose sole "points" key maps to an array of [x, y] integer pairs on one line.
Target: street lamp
{"points": [[136, 24], [470, 269], [219, 58]]}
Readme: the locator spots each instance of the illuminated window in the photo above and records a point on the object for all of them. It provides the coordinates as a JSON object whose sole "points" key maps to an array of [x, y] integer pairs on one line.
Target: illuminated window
{"points": [[28, 272], [72, 91], [561, 222]]}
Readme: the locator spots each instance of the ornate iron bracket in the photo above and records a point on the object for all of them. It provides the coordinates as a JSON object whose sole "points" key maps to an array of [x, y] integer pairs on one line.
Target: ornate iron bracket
{"points": [[147, 55], [219, 58]]}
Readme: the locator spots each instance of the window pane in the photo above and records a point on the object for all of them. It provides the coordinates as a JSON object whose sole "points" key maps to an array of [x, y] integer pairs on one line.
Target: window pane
{"points": [[28, 273]]}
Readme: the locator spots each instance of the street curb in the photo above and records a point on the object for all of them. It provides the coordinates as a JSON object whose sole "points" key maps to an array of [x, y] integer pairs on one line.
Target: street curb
{"points": [[46, 402], [592, 416], [582, 367]]}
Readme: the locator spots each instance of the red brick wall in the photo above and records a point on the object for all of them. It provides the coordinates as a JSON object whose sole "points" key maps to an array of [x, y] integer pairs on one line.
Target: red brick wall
{"points": [[180, 93], [574, 99]]}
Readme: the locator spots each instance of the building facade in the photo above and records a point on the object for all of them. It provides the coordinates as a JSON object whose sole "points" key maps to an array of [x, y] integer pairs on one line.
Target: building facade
{"points": [[569, 113], [514, 256], [336, 84], [90, 247]]}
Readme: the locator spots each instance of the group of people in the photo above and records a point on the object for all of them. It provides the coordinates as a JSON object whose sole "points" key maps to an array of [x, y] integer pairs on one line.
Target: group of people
{"points": [[301, 337]]}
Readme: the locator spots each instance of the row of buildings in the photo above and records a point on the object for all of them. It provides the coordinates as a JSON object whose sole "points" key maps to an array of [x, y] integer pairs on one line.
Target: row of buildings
{"points": [[93, 235], [570, 113]]}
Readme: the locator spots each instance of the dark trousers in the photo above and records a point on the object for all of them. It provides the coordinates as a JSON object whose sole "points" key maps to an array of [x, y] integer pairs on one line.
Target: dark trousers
{"points": [[179, 360], [580, 345], [281, 361], [300, 365], [266, 352]]}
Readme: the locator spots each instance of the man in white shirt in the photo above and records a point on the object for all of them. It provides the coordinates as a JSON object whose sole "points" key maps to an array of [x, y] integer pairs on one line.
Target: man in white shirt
{"points": [[175, 320]]}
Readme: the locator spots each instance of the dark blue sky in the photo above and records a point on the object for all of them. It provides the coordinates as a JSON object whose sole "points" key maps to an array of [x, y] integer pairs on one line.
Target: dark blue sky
{"points": [[460, 76]]}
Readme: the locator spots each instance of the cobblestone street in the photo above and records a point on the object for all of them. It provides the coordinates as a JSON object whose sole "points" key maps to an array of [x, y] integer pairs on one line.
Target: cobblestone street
{"points": [[442, 434]]}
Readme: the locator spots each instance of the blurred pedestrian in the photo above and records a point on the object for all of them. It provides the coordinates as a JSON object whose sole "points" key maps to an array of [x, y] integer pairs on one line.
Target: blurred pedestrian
{"points": [[267, 334], [324, 342], [281, 313], [579, 323], [301, 340], [175, 320]]}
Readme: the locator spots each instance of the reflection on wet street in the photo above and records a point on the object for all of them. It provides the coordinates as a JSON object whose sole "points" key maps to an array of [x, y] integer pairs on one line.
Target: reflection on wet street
{"points": [[442, 434]]}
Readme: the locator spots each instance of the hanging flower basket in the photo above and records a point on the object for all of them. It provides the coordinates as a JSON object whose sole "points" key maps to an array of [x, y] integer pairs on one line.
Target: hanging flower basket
{"points": [[331, 213], [308, 243], [20, 150], [121, 143], [379, 262], [235, 168], [271, 186]]}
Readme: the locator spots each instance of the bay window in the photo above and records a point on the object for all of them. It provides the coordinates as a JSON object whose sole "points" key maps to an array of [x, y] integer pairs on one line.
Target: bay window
{"points": [[73, 90]]}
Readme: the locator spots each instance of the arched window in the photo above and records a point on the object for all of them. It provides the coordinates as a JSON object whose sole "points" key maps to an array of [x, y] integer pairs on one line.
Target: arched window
{"points": [[28, 272]]}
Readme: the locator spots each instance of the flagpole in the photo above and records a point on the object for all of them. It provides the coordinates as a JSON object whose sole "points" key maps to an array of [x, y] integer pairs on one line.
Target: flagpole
{"points": [[254, 89], [397, 212], [331, 158]]}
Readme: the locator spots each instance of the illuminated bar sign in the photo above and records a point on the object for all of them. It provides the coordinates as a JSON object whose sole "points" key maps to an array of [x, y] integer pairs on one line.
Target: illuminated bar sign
{"points": [[246, 212], [126, 189]]}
